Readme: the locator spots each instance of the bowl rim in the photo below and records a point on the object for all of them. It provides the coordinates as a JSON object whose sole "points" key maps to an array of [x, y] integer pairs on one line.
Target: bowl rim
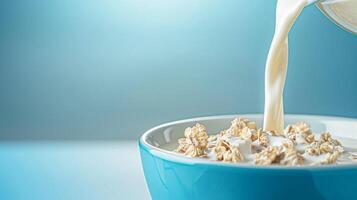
{"points": [[177, 158]]}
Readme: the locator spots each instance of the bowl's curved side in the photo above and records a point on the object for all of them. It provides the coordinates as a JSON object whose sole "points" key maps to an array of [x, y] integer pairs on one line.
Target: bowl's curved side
{"points": [[174, 180], [169, 177]]}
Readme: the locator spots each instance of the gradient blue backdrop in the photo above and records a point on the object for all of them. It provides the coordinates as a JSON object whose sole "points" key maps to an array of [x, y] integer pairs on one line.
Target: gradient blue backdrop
{"points": [[114, 68]]}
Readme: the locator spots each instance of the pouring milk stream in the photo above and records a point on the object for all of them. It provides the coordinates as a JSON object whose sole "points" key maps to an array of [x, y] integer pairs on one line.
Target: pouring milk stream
{"points": [[343, 12]]}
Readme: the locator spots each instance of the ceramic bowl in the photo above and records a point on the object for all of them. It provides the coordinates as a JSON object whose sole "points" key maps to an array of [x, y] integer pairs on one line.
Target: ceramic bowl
{"points": [[171, 176]]}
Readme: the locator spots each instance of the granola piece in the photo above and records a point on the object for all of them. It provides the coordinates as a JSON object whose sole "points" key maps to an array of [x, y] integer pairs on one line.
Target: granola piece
{"points": [[325, 137], [233, 155], [310, 138], [331, 158], [194, 151], [288, 144], [270, 155], [247, 133], [212, 139], [251, 125], [263, 138], [195, 141], [223, 142], [300, 127], [292, 157], [183, 145], [338, 149], [220, 148], [254, 136], [326, 147], [238, 124], [326, 144], [224, 151], [313, 149], [334, 142], [303, 127], [279, 155], [219, 151], [299, 133]]}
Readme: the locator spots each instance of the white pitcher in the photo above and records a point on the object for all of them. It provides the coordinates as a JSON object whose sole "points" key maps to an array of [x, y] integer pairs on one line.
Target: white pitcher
{"points": [[342, 12]]}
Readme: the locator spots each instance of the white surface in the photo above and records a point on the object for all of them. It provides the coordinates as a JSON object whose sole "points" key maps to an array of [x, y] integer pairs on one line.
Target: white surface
{"points": [[53, 170]]}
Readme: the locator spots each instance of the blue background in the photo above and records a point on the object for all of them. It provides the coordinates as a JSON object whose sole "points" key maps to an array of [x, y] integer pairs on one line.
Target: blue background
{"points": [[92, 69]]}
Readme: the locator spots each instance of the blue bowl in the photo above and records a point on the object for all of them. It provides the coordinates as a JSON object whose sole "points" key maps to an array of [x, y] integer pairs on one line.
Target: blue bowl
{"points": [[172, 176]]}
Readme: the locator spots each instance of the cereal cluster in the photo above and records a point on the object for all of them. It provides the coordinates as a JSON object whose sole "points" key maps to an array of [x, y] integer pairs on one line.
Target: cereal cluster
{"points": [[244, 142]]}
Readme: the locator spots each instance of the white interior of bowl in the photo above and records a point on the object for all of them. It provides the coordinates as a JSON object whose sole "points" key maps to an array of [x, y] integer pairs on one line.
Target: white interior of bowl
{"points": [[161, 140]]}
